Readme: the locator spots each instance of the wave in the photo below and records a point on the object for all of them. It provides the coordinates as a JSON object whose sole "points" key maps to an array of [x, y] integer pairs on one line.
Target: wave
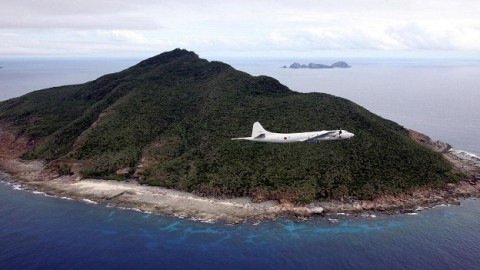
{"points": [[129, 209], [89, 201], [13, 185], [333, 220], [467, 155]]}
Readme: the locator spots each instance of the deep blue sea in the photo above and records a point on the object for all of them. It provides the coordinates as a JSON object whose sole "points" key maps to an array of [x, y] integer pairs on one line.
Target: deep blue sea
{"points": [[438, 97], [39, 232]]}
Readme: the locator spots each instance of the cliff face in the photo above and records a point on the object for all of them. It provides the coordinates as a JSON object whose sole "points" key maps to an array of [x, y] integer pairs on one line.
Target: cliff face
{"points": [[437, 146], [168, 121]]}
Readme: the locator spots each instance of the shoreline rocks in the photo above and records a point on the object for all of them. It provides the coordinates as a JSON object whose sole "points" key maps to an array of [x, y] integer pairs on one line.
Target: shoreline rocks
{"points": [[37, 176], [131, 195]]}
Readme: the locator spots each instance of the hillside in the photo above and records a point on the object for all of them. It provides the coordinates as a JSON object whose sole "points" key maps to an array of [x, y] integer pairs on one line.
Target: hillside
{"points": [[168, 121]]}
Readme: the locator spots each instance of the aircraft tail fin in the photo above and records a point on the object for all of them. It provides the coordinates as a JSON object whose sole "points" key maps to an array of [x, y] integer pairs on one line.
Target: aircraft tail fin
{"points": [[258, 130]]}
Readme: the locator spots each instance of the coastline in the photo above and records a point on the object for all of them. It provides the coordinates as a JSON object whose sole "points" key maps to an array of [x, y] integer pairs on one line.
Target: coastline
{"points": [[35, 176]]}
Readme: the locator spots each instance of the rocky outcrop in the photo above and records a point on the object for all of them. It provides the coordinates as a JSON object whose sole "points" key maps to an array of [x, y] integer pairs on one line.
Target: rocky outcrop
{"points": [[287, 208], [12, 145], [437, 146], [464, 168], [340, 64]]}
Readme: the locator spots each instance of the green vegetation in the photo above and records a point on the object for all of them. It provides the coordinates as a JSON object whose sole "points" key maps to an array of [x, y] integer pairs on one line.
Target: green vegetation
{"points": [[168, 120]]}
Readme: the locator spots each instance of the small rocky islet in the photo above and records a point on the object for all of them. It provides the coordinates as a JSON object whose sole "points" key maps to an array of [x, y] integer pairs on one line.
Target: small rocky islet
{"points": [[339, 64]]}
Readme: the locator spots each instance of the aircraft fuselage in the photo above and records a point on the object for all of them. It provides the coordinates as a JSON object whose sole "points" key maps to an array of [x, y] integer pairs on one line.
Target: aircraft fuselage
{"points": [[259, 134]]}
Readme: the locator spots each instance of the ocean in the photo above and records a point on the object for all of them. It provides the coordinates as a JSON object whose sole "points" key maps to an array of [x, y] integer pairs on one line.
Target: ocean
{"points": [[437, 97]]}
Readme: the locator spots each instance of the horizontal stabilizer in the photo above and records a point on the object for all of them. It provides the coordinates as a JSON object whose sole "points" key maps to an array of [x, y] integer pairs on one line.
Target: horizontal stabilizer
{"points": [[242, 138]]}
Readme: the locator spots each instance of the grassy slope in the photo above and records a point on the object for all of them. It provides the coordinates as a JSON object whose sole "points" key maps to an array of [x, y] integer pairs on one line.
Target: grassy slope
{"points": [[175, 115]]}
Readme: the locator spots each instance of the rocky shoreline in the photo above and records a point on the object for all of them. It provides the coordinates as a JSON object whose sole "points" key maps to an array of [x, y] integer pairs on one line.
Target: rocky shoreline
{"points": [[35, 176]]}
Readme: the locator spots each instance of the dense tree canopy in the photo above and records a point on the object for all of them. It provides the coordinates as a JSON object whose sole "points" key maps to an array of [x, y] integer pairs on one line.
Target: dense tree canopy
{"points": [[168, 121]]}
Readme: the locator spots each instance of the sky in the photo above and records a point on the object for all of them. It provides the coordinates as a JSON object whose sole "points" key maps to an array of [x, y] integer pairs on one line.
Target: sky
{"points": [[262, 28]]}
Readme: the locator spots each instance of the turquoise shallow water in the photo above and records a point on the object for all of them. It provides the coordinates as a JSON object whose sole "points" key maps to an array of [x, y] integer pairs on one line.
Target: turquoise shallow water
{"points": [[39, 232]]}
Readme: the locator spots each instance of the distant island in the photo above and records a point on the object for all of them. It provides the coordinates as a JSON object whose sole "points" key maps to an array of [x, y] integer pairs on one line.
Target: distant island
{"points": [[340, 64]]}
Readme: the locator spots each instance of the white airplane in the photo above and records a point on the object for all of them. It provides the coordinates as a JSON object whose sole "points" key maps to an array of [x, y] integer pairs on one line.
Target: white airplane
{"points": [[259, 134]]}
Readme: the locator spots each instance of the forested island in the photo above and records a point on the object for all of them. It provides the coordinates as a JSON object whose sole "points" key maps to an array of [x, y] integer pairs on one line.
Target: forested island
{"points": [[168, 120]]}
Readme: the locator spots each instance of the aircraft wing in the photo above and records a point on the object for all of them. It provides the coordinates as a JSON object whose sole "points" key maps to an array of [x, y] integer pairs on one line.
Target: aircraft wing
{"points": [[321, 136]]}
